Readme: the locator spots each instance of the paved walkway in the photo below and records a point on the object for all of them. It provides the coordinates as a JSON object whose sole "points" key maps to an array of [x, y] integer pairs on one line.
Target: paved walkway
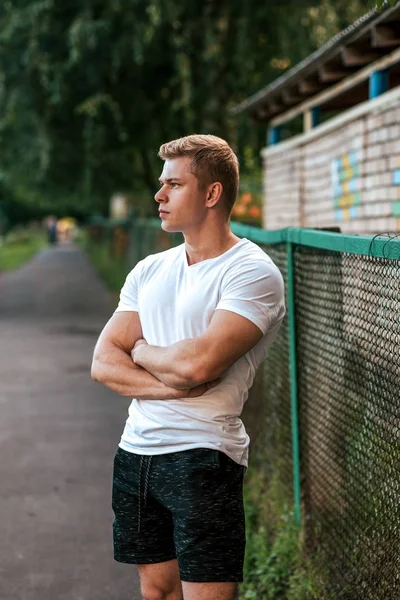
{"points": [[58, 434]]}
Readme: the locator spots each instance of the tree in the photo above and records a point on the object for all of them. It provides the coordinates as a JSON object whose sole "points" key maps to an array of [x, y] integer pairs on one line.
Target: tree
{"points": [[90, 90], [380, 4]]}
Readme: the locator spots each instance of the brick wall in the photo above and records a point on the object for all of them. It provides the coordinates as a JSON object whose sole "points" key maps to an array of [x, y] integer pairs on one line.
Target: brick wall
{"points": [[282, 187], [345, 173]]}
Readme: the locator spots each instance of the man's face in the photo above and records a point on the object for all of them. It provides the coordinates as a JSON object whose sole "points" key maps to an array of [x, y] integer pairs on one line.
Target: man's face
{"points": [[182, 205]]}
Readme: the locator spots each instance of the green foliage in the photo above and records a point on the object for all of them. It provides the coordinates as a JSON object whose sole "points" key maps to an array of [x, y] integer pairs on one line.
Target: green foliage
{"points": [[275, 565], [88, 91], [19, 247], [269, 569], [380, 4]]}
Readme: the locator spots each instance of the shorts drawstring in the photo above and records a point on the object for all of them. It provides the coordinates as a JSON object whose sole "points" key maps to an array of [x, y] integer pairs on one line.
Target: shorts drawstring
{"points": [[147, 480], [146, 484]]}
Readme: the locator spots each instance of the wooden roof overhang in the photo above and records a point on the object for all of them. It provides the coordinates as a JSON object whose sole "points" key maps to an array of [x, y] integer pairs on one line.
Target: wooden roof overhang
{"points": [[336, 75]]}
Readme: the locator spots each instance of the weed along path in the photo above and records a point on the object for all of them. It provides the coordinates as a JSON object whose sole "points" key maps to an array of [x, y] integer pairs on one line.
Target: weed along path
{"points": [[58, 434]]}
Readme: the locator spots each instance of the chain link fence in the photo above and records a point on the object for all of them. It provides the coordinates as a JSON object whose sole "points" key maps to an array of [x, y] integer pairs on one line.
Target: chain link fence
{"points": [[346, 301], [348, 334]]}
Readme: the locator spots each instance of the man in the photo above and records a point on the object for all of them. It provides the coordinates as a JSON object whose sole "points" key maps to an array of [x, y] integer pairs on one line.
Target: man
{"points": [[192, 325]]}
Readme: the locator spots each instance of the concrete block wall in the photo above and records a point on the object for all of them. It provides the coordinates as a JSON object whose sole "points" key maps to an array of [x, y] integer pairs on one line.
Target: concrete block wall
{"points": [[345, 172]]}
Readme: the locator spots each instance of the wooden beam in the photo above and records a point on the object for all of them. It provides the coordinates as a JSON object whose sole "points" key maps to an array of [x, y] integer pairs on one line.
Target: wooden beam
{"points": [[329, 74], [357, 37], [264, 113], [290, 97], [311, 118], [391, 98], [274, 106], [343, 86], [307, 121], [384, 36], [309, 86], [353, 57]]}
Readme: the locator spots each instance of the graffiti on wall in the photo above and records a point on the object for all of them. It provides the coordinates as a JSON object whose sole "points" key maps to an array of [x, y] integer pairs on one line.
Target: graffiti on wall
{"points": [[396, 181], [346, 186]]}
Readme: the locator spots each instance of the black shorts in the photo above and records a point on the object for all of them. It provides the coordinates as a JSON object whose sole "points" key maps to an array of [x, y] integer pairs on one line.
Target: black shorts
{"points": [[186, 505]]}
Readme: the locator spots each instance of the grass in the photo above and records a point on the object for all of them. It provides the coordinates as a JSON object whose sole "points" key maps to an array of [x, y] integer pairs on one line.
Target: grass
{"points": [[19, 247], [275, 564]]}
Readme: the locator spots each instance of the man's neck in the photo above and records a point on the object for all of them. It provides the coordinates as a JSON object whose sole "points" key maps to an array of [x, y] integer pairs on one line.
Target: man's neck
{"points": [[202, 247]]}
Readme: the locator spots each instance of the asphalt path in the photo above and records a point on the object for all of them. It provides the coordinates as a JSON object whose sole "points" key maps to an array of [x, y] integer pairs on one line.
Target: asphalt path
{"points": [[58, 435]]}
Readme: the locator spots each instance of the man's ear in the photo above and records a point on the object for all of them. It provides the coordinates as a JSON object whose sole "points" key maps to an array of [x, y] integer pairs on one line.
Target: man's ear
{"points": [[214, 194]]}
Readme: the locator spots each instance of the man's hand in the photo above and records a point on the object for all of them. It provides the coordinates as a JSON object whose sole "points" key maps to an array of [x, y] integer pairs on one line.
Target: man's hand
{"points": [[134, 351], [140, 342]]}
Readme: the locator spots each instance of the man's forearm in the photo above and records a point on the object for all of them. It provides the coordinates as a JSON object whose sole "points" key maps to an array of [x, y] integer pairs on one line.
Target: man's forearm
{"points": [[173, 365], [116, 370]]}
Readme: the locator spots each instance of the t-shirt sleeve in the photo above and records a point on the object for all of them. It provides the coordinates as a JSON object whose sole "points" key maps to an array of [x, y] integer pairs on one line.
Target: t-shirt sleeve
{"points": [[128, 298], [255, 291]]}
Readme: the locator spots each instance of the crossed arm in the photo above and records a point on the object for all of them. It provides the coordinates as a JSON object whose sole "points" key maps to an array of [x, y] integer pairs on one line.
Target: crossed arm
{"points": [[195, 361], [183, 369], [112, 364]]}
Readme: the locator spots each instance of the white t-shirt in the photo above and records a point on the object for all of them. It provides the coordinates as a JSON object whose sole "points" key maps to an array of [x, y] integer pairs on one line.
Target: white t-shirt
{"points": [[175, 302]]}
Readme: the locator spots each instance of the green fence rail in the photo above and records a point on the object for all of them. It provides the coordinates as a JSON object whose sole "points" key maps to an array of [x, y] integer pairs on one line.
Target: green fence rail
{"points": [[329, 394]]}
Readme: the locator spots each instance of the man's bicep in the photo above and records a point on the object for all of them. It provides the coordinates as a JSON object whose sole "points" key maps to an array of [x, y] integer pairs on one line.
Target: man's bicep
{"points": [[228, 337], [122, 330]]}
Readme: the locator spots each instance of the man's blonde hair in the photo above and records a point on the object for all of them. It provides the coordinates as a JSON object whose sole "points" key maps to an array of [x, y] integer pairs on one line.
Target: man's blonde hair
{"points": [[212, 160]]}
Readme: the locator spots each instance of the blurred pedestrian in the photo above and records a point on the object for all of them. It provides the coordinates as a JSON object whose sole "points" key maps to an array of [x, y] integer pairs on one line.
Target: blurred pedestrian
{"points": [[52, 234]]}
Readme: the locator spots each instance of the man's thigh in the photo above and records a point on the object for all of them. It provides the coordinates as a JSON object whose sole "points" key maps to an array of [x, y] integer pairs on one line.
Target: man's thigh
{"points": [[143, 528], [204, 492], [186, 505]]}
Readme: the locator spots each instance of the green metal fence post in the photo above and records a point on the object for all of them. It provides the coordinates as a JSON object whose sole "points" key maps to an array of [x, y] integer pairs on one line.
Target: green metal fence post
{"points": [[293, 381]]}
